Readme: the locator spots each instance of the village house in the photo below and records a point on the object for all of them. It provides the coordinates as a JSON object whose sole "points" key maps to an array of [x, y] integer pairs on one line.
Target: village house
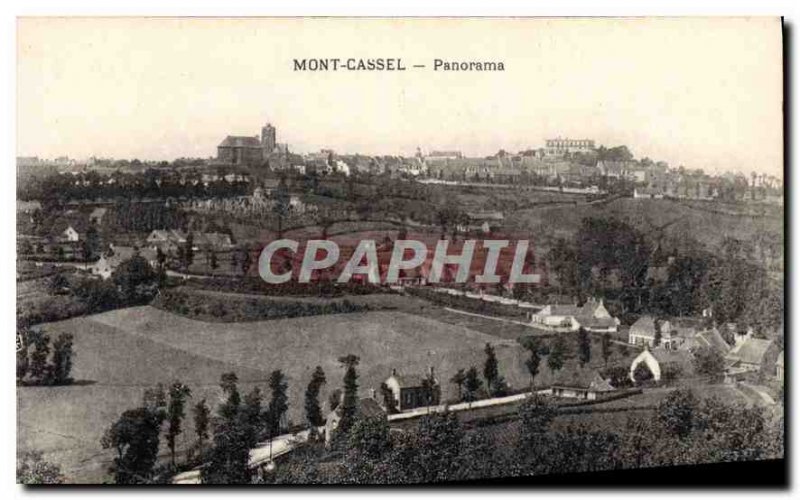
{"points": [[651, 193], [582, 383], [651, 332], [750, 357], [413, 391], [109, 261], [592, 315], [166, 239], [662, 362]]}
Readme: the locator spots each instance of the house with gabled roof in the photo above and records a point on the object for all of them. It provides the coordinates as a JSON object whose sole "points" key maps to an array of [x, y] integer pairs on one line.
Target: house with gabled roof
{"points": [[166, 239], [581, 383], [412, 391], [670, 335], [592, 316], [749, 356]]}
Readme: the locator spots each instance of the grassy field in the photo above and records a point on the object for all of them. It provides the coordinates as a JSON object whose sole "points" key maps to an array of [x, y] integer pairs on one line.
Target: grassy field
{"points": [[703, 224], [120, 353]]}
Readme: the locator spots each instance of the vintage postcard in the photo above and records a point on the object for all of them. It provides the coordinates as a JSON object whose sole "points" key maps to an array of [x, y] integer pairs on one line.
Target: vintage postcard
{"points": [[399, 250]]}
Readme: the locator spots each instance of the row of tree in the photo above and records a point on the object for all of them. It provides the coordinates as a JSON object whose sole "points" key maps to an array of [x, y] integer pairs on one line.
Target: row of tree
{"points": [[42, 362]]}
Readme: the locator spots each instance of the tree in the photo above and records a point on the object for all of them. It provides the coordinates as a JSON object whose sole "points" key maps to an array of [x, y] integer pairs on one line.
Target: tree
{"points": [[251, 417], [472, 384], [201, 420], [605, 348], [535, 414], [584, 346], [350, 398], [39, 369], [708, 361], [534, 357], [458, 379], [389, 402], [213, 261], [175, 413], [58, 284], [676, 412], [555, 360], [33, 469], [278, 404], [62, 359], [490, 367], [135, 279], [230, 454], [135, 438], [312, 406], [188, 251], [334, 399], [281, 204]]}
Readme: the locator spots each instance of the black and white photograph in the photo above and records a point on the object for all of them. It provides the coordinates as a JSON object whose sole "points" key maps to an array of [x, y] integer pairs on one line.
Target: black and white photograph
{"points": [[399, 251]]}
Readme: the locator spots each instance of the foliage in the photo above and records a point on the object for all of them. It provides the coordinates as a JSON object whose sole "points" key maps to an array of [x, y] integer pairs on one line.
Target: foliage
{"points": [[201, 420], [556, 358], [135, 438], [33, 469], [676, 412], [708, 361], [350, 397], [584, 346], [278, 404], [175, 413], [472, 384], [490, 367], [313, 410]]}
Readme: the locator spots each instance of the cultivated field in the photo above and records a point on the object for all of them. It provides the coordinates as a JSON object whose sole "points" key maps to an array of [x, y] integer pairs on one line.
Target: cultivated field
{"points": [[120, 353]]}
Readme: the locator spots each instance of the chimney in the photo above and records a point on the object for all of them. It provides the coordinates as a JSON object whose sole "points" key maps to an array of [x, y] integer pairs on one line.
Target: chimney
{"points": [[394, 372]]}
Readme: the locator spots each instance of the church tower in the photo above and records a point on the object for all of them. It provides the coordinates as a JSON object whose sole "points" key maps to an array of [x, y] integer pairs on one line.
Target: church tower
{"points": [[268, 137]]}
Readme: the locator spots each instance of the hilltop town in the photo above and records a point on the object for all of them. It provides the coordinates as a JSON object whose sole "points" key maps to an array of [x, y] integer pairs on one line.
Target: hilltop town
{"points": [[139, 300]]}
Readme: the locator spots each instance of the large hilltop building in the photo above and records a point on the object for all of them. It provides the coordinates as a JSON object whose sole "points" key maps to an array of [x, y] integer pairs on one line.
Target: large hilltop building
{"points": [[559, 146], [250, 150]]}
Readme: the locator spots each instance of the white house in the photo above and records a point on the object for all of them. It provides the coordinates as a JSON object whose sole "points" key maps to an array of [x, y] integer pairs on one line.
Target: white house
{"points": [[71, 234], [592, 316]]}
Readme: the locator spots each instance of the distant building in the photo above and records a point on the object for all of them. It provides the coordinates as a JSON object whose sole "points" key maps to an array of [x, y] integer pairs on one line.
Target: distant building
{"points": [[645, 330], [651, 193], [560, 147], [444, 155], [592, 316], [411, 391], [248, 150], [166, 239], [749, 355], [582, 383]]}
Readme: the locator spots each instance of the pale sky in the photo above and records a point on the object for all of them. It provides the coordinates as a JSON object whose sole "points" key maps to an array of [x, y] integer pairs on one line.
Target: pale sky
{"points": [[701, 92]]}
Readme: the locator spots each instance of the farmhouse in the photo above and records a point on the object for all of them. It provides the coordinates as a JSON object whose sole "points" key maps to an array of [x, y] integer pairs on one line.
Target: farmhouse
{"points": [[580, 384], [592, 316], [709, 338], [166, 239], [649, 331], [109, 261], [749, 356], [413, 391], [662, 363]]}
